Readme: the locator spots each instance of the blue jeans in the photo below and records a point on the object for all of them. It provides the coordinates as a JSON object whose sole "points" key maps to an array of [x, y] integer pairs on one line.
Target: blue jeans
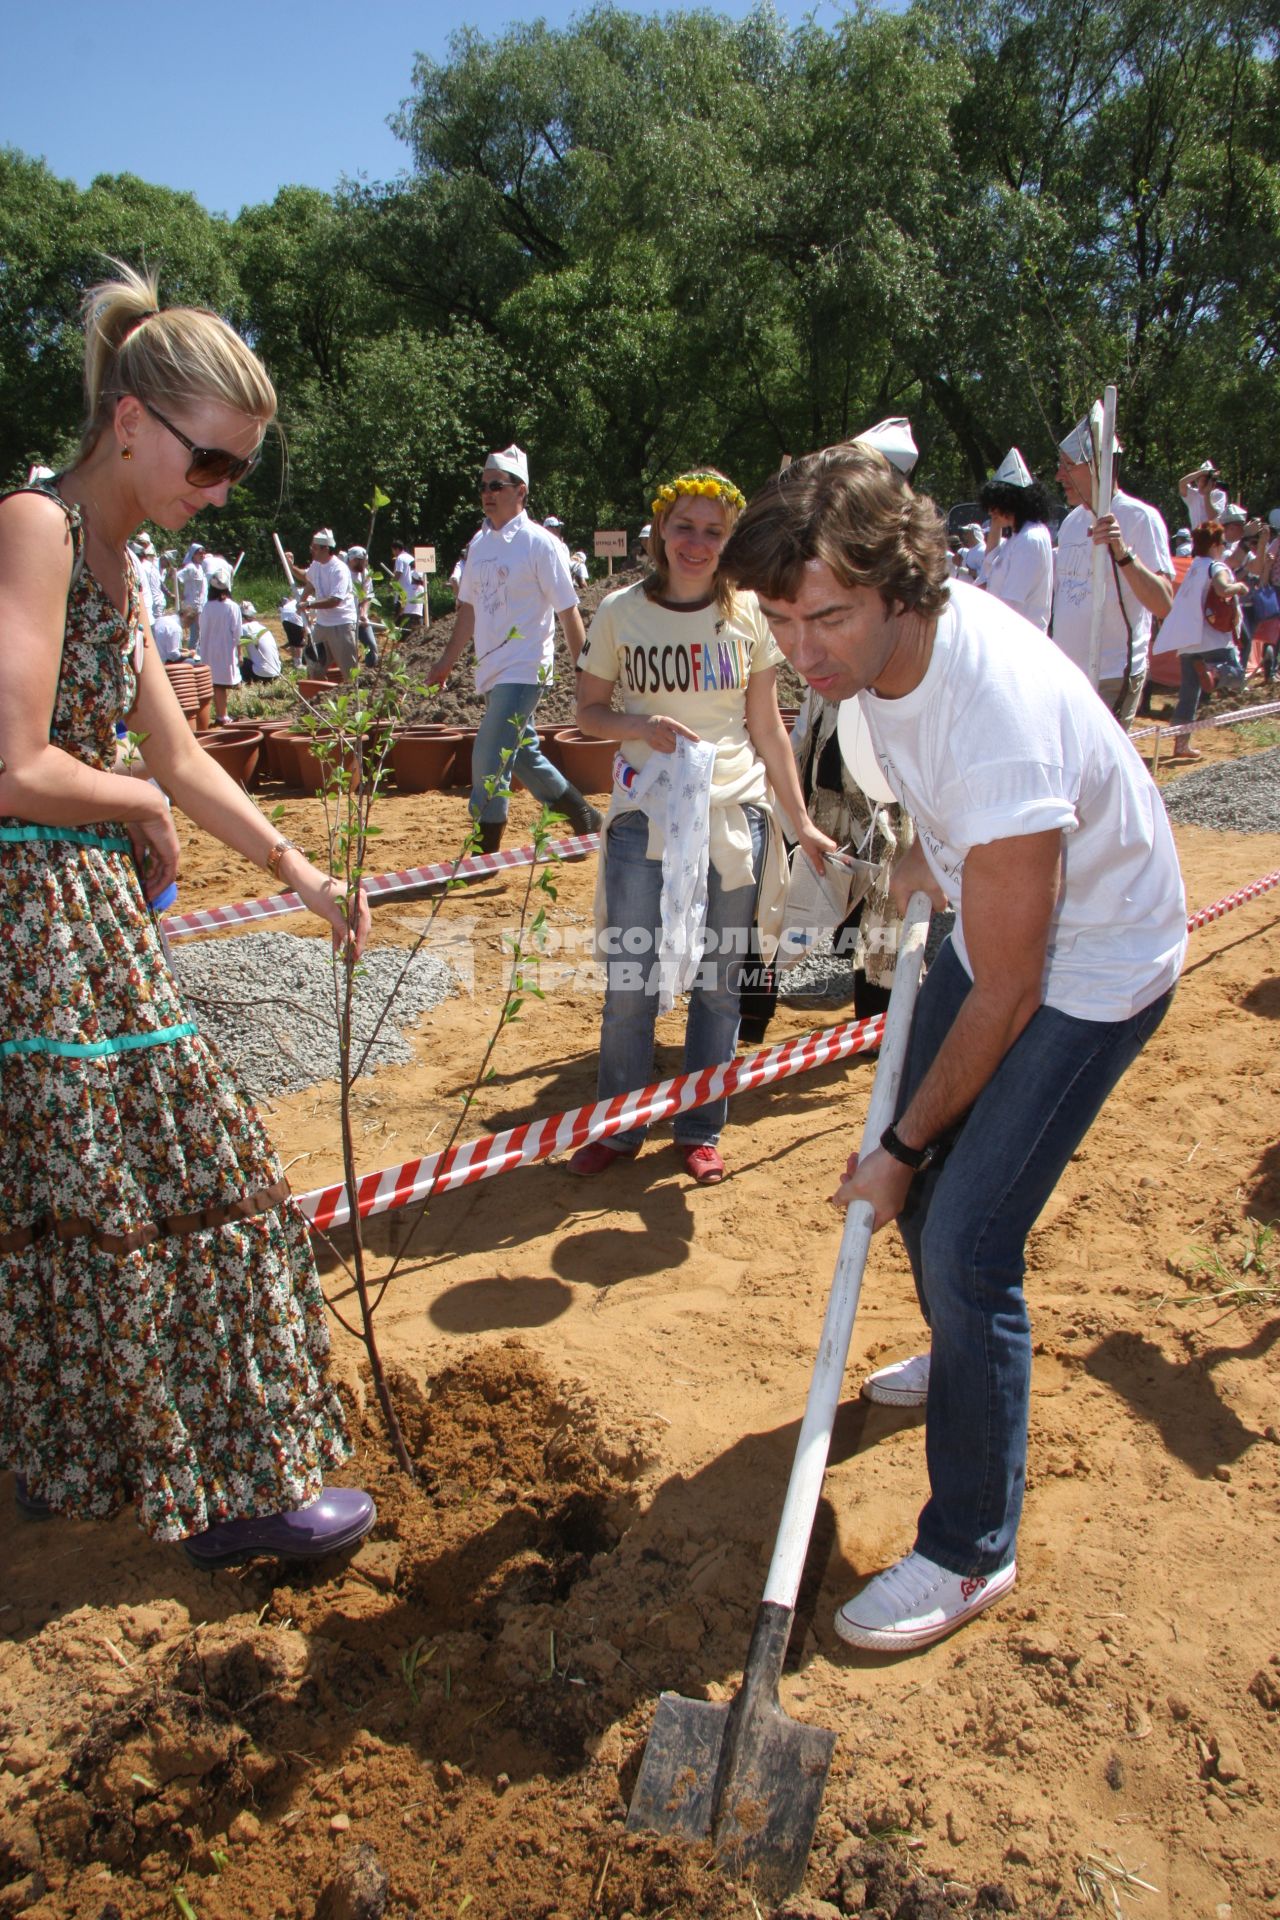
{"points": [[633, 894], [508, 711], [965, 1225], [1225, 662]]}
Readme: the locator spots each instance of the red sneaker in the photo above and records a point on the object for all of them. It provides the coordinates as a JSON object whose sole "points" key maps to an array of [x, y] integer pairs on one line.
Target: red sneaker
{"points": [[596, 1157], [703, 1163]]}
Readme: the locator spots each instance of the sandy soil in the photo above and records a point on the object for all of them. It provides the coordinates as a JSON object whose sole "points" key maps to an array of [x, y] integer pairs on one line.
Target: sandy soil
{"points": [[601, 1386]]}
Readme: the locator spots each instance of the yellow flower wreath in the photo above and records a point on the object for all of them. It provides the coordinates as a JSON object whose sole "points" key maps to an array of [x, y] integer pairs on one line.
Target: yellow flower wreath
{"points": [[706, 486]]}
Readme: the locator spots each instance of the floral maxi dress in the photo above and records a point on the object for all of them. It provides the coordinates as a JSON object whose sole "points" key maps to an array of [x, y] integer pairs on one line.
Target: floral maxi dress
{"points": [[162, 1332]]}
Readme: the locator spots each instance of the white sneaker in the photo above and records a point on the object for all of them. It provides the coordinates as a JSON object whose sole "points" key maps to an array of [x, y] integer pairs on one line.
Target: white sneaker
{"points": [[904, 1384], [918, 1601]]}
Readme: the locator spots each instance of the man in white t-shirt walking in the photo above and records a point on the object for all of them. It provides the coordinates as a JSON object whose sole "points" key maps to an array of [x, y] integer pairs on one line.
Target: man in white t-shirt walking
{"points": [[1138, 579], [329, 595], [1039, 825], [515, 583], [193, 591]]}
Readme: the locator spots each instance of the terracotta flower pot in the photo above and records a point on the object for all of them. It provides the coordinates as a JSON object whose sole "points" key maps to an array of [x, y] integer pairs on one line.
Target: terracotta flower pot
{"points": [[586, 763], [238, 753], [314, 690], [268, 765], [314, 774], [460, 772], [422, 760]]}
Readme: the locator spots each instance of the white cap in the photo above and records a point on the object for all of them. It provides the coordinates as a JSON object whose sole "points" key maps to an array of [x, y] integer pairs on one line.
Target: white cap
{"points": [[894, 439], [1078, 445], [1217, 502], [646, 530], [324, 538], [248, 609], [357, 553], [512, 460], [1234, 512], [145, 543], [1013, 470]]}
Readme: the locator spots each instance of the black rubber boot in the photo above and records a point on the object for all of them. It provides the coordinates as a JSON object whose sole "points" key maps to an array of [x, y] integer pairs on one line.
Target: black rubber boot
{"points": [[491, 832], [581, 815]]}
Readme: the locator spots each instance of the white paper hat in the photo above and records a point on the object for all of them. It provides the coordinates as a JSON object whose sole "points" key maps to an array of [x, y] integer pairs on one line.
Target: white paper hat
{"points": [[512, 460], [1217, 502], [1182, 540], [551, 521], [1234, 512], [1013, 470], [248, 609], [1078, 445], [894, 439], [645, 530], [220, 576], [324, 538], [39, 473]]}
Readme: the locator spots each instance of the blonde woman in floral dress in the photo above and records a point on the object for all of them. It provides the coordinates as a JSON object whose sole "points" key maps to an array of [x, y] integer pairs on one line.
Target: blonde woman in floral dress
{"points": [[163, 1341], [689, 658]]}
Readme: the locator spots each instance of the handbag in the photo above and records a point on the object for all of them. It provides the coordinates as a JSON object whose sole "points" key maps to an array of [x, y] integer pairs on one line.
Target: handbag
{"points": [[1220, 612]]}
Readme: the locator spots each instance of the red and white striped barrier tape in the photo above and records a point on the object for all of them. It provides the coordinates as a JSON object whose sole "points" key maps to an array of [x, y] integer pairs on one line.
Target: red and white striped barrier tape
{"points": [[273, 906], [1215, 720], [534, 1140], [1242, 895], [518, 1146]]}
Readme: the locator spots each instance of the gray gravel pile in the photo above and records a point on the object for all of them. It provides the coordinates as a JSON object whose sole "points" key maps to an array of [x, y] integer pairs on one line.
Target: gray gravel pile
{"points": [[1235, 796], [822, 974], [267, 1001]]}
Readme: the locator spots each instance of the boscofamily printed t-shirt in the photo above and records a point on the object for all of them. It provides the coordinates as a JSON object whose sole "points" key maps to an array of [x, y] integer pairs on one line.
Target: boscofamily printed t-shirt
{"points": [[690, 663]]}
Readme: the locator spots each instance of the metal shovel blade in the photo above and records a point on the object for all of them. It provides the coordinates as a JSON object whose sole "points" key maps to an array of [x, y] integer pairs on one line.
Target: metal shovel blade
{"points": [[744, 1773]]}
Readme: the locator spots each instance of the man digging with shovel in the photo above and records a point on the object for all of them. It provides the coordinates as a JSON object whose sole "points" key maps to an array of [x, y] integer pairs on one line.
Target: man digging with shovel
{"points": [[1039, 825]]}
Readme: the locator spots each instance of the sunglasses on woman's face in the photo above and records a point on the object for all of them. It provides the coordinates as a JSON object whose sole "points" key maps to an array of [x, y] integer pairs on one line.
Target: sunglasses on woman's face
{"points": [[210, 466]]}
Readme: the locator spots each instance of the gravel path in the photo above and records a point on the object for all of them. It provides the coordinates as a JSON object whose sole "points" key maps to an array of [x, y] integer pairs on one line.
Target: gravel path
{"points": [[1234, 796], [266, 1000]]}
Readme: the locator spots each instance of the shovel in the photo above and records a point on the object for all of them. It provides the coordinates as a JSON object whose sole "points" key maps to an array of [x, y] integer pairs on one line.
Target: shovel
{"points": [[744, 1772]]}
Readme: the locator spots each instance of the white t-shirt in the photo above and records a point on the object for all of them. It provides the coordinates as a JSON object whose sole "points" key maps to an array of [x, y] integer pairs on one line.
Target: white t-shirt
{"points": [[1020, 572], [1146, 535], [328, 577], [1005, 737], [166, 631], [263, 653], [517, 579], [193, 586]]}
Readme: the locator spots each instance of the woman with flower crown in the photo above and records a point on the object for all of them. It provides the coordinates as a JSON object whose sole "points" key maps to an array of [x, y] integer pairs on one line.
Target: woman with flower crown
{"points": [[692, 661]]}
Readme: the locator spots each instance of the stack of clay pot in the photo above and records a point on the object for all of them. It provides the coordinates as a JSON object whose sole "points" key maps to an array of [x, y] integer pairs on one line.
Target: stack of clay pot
{"points": [[182, 678], [204, 694]]}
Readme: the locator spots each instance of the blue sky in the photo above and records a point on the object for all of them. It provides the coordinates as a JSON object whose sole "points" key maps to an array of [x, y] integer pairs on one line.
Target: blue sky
{"points": [[231, 102]]}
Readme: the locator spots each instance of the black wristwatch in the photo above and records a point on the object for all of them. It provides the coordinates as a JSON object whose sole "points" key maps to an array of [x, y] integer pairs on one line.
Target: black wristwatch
{"points": [[917, 1158]]}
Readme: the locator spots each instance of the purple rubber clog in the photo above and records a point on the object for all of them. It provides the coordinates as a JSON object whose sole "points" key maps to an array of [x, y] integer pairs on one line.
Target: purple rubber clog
{"points": [[30, 1503], [340, 1517]]}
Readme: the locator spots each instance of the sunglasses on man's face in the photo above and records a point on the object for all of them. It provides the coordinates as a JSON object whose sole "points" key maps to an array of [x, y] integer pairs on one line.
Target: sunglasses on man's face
{"points": [[496, 486], [210, 466]]}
